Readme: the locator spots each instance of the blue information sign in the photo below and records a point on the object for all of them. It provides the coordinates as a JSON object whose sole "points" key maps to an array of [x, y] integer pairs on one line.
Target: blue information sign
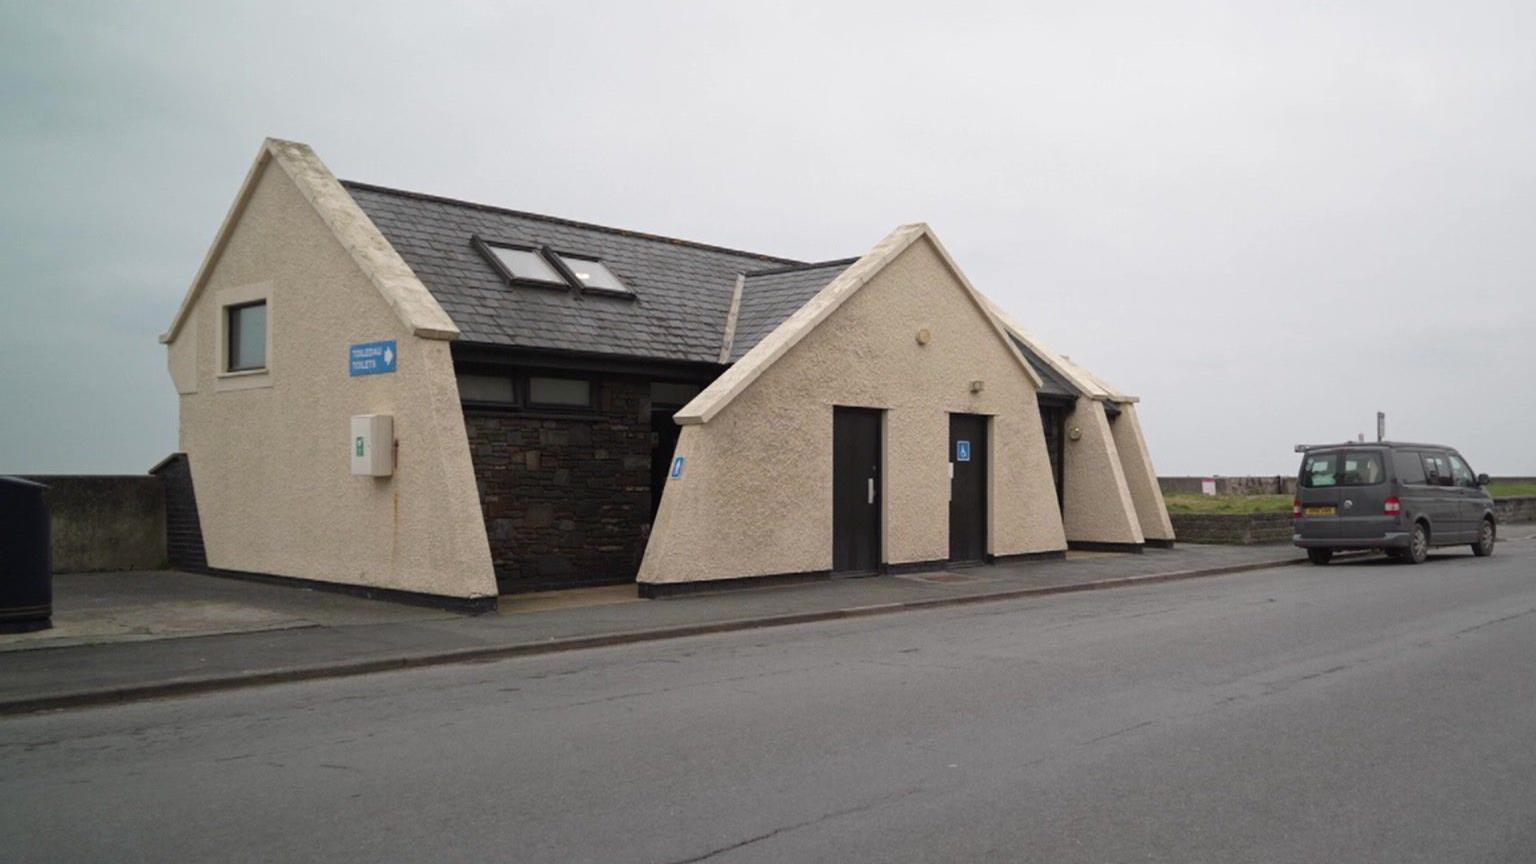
{"points": [[677, 467], [962, 451], [372, 358]]}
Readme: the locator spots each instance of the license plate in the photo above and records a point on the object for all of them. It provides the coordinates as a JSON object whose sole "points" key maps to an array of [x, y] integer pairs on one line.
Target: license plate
{"points": [[1322, 511]]}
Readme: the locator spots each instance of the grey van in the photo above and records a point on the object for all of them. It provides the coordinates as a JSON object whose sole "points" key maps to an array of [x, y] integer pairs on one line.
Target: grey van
{"points": [[1400, 498]]}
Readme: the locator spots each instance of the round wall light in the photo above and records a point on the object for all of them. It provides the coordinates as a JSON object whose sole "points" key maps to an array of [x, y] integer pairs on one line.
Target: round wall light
{"points": [[1075, 432], [924, 336]]}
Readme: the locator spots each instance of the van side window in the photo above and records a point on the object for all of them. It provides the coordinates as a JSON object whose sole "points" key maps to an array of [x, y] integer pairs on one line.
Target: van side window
{"points": [[1410, 467], [1362, 468], [1438, 470], [1462, 474]]}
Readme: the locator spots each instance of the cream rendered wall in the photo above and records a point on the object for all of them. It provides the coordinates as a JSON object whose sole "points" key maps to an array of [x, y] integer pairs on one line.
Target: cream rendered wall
{"points": [[756, 493], [270, 460], [1095, 495], [1140, 476]]}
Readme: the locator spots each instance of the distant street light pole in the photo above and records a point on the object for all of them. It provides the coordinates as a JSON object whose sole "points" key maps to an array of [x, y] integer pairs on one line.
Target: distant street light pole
{"points": [[1381, 425]]}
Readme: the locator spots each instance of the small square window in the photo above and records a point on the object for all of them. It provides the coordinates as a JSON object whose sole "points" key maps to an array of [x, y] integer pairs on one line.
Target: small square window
{"points": [[246, 337], [592, 273], [487, 389], [565, 392], [527, 264]]}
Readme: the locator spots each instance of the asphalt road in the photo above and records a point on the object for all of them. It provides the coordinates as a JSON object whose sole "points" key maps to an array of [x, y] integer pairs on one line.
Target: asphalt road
{"points": [[1359, 712]]}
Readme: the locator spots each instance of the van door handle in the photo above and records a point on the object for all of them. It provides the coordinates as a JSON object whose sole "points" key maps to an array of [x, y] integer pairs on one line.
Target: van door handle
{"points": [[871, 490]]}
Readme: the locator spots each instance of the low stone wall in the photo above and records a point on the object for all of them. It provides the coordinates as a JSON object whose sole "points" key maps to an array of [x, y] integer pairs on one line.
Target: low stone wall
{"points": [[1245, 529], [1258, 485], [106, 522], [1520, 508], [1256, 528], [1272, 485]]}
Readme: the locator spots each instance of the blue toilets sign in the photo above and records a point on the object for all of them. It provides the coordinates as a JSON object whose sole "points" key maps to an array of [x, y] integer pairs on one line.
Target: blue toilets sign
{"points": [[677, 467], [962, 451], [372, 358]]}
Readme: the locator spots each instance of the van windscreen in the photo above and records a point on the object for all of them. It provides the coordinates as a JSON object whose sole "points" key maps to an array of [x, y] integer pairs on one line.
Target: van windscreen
{"points": [[1342, 468]]}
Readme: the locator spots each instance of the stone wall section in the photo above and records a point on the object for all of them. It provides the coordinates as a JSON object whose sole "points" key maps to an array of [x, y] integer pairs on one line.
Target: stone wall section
{"points": [[183, 531], [566, 496]]}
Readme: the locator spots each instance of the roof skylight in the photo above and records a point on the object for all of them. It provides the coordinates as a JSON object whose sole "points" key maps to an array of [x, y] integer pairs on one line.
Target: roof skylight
{"points": [[527, 265], [593, 274]]}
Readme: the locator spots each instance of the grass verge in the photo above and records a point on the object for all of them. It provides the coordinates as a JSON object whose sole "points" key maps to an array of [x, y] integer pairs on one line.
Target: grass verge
{"points": [[1234, 504]]}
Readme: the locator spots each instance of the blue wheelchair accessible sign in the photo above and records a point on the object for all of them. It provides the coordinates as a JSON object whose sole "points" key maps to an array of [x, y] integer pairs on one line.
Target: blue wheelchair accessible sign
{"points": [[372, 358], [962, 451]]}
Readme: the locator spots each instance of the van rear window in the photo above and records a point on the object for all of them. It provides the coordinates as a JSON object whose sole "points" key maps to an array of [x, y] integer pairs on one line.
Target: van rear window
{"points": [[1342, 468]]}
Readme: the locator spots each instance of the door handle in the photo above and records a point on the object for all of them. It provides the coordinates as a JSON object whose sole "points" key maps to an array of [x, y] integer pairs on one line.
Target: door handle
{"points": [[871, 490]]}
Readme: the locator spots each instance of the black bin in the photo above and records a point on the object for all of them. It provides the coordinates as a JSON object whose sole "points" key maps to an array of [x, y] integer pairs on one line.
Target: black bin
{"points": [[26, 559]]}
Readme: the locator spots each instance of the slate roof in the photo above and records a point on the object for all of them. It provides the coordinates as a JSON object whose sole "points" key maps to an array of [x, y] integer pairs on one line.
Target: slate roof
{"points": [[770, 296], [1052, 383], [682, 290]]}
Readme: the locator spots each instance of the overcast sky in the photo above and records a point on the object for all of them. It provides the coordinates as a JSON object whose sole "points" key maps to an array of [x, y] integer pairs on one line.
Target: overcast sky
{"points": [[1268, 221]]}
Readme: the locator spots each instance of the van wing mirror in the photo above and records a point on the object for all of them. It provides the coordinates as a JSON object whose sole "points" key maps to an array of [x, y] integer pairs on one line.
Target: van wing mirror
{"points": [[1484, 479]]}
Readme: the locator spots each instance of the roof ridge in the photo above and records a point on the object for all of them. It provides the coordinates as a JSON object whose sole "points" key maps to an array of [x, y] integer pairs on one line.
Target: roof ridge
{"points": [[557, 220], [816, 265]]}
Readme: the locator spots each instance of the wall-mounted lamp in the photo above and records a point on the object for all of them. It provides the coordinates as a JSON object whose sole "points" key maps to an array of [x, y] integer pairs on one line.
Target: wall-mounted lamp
{"points": [[1075, 432], [977, 386], [924, 336]]}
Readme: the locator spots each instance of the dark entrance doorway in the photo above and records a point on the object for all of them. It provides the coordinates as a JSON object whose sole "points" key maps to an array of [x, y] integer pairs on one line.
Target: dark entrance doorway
{"points": [[967, 487], [855, 491], [1053, 418], [667, 398], [664, 433]]}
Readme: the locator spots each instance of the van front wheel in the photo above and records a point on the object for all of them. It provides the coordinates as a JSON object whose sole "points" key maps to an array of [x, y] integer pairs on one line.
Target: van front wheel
{"points": [[1319, 556], [1485, 537]]}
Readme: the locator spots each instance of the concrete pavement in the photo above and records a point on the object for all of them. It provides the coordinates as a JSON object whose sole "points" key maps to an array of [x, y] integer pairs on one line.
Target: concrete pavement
{"points": [[284, 634], [1360, 712]]}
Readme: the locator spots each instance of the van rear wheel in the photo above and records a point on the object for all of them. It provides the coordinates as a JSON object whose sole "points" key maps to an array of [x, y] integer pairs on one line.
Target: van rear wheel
{"points": [[1485, 539], [1319, 556], [1418, 545]]}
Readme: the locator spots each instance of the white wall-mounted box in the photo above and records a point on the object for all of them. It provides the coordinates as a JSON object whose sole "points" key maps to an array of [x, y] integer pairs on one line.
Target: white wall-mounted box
{"points": [[373, 445]]}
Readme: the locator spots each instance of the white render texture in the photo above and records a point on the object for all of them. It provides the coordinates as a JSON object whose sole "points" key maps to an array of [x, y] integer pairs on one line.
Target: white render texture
{"points": [[1097, 501], [755, 498], [1103, 505], [270, 461], [417, 309], [1140, 476]]}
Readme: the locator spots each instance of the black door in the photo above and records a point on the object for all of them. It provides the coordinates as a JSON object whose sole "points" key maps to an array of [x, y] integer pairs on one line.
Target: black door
{"points": [[664, 433], [967, 487], [855, 490], [1053, 418]]}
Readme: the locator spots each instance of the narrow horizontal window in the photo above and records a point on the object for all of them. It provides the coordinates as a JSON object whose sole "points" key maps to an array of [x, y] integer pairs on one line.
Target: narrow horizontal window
{"points": [[487, 389], [246, 335], [668, 393], [526, 265], [565, 392], [593, 273]]}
